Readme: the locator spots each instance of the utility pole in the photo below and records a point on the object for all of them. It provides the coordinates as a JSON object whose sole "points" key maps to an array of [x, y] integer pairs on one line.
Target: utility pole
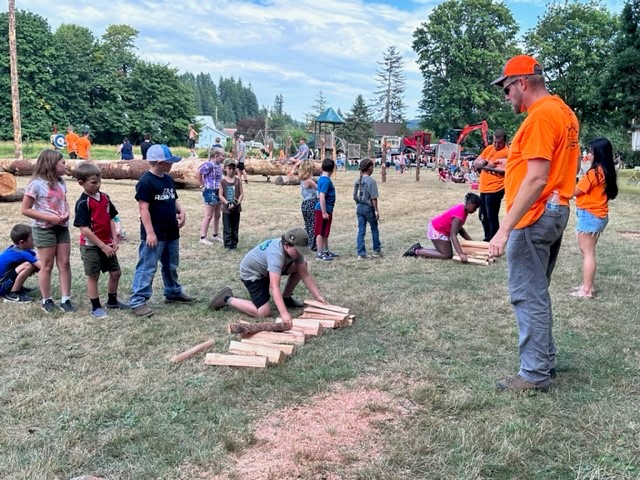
{"points": [[15, 94]]}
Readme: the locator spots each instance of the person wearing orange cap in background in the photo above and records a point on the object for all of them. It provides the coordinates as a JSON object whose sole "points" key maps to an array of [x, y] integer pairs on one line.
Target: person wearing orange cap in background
{"points": [[492, 184], [540, 178]]}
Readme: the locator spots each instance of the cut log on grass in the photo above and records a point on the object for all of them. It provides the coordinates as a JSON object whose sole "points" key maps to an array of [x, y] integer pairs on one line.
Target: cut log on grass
{"points": [[472, 261], [254, 361], [325, 313], [8, 184], [184, 173], [248, 328], [287, 180], [16, 196], [333, 308], [273, 354], [192, 351], [288, 338], [286, 349]]}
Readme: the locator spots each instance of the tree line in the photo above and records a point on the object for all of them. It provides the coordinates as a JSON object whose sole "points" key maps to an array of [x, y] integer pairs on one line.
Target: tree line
{"points": [[591, 59], [70, 77]]}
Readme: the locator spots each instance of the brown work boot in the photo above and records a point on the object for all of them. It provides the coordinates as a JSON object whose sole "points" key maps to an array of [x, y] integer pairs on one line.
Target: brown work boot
{"points": [[519, 384], [217, 302], [143, 311]]}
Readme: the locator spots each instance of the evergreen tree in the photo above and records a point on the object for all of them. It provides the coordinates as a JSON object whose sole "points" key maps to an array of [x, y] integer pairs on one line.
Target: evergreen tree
{"points": [[320, 104], [391, 86], [278, 105], [359, 125]]}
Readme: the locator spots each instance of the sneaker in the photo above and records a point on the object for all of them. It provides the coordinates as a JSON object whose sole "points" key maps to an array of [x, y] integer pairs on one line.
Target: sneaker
{"points": [[323, 257], [331, 254], [17, 297], [67, 307], [217, 238], [217, 302], [182, 298], [142, 310], [204, 241], [99, 313], [118, 305], [519, 384], [292, 302], [362, 257], [412, 250], [26, 290], [49, 306], [376, 254]]}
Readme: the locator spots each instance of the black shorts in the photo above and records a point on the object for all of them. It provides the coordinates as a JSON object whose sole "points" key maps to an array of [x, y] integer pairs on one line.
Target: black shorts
{"points": [[258, 290], [7, 281], [192, 143], [73, 155], [95, 261], [241, 166]]}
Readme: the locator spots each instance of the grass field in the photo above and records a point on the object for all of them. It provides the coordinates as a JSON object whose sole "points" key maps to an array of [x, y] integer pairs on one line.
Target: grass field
{"points": [[85, 396]]}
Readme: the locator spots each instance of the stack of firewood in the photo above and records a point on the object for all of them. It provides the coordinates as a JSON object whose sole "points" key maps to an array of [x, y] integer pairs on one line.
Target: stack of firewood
{"points": [[270, 343], [477, 252]]}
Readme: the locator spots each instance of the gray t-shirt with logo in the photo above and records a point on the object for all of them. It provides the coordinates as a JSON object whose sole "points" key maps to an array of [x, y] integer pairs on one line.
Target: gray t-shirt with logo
{"points": [[365, 189], [267, 257]]}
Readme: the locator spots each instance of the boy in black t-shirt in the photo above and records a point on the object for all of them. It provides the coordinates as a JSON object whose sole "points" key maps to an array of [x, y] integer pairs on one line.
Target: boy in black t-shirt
{"points": [[98, 239], [161, 218]]}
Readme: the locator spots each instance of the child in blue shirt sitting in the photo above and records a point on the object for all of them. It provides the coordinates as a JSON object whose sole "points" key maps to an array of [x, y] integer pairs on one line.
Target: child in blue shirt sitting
{"points": [[17, 263]]}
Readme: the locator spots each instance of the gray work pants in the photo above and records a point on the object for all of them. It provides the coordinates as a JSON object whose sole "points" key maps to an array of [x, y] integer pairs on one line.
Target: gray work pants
{"points": [[531, 257]]}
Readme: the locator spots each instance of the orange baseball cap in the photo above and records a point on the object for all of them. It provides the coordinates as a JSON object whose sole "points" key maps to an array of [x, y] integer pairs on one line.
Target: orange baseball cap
{"points": [[517, 66]]}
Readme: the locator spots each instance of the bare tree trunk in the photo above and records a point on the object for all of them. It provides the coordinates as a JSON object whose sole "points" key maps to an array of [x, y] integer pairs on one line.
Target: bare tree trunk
{"points": [[383, 160], [15, 93]]}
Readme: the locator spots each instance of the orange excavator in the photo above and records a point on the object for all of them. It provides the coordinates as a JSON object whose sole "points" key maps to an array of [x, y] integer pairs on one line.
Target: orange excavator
{"points": [[458, 135]]}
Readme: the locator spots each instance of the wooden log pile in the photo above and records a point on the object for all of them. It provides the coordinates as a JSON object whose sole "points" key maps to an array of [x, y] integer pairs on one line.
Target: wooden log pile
{"points": [[477, 252], [261, 344]]}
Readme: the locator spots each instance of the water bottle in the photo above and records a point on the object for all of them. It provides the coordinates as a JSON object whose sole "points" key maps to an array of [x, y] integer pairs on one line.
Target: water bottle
{"points": [[553, 202]]}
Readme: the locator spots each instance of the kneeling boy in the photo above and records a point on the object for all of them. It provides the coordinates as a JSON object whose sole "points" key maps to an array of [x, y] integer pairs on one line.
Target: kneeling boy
{"points": [[17, 263]]}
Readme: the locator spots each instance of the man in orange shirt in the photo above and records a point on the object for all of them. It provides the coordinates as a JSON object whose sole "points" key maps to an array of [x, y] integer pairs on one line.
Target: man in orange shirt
{"points": [[84, 146], [491, 183], [71, 139], [540, 178]]}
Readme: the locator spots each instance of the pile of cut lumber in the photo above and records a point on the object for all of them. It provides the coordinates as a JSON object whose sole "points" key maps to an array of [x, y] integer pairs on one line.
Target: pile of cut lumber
{"points": [[477, 252], [270, 343]]}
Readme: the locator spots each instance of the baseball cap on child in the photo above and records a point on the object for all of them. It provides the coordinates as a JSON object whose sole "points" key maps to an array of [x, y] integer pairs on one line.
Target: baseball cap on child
{"points": [[229, 161], [298, 238], [161, 153], [519, 65]]}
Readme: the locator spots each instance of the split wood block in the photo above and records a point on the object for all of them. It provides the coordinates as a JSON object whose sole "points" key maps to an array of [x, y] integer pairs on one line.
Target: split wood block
{"points": [[333, 308], [286, 349], [326, 313], [351, 320], [472, 261], [274, 355], [308, 327], [474, 243], [337, 318], [324, 322], [288, 338], [253, 361], [192, 351]]}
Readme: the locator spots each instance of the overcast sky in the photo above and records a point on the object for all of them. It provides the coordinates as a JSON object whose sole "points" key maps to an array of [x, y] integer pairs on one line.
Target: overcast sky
{"points": [[296, 48]]}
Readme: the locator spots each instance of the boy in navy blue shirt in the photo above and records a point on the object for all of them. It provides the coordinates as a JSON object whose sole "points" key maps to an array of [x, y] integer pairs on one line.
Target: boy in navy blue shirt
{"points": [[17, 263], [324, 211]]}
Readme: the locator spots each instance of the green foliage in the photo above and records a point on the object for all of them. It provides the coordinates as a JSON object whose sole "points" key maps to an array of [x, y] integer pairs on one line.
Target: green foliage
{"points": [[573, 41], [461, 48], [359, 126], [620, 88], [631, 159]]}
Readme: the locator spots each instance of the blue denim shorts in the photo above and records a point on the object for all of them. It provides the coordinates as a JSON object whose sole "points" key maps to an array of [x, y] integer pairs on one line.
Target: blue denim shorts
{"points": [[590, 224], [210, 196]]}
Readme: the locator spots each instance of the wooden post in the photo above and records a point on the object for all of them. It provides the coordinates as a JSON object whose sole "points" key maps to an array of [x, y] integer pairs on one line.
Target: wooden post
{"points": [[15, 93], [383, 160], [419, 142], [368, 148], [192, 351]]}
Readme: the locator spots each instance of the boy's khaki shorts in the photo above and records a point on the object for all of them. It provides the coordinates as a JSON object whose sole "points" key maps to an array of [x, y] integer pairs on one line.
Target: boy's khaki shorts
{"points": [[95, 261], [50, 237]]}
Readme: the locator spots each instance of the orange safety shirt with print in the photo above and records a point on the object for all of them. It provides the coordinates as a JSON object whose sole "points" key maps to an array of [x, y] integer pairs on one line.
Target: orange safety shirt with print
{"points": [[594, 199], [83, 145], [491, 182], [71, 139], [550, 132]]}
